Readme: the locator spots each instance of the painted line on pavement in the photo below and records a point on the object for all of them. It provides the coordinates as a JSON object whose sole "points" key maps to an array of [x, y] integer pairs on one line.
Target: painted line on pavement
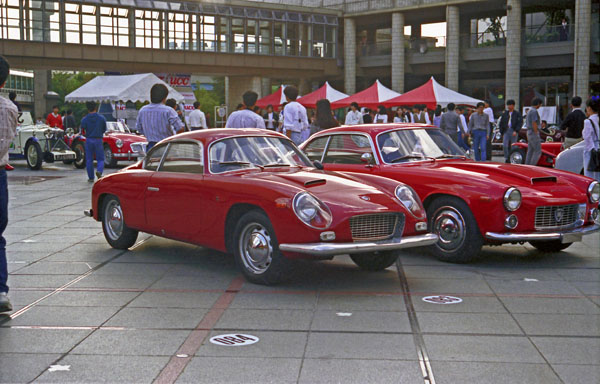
{"points": [[426, 369], [67, 285], [192, 343]]}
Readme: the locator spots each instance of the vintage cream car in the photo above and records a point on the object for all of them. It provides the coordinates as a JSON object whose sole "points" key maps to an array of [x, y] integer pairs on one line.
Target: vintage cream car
{"points": [[38, 143]]}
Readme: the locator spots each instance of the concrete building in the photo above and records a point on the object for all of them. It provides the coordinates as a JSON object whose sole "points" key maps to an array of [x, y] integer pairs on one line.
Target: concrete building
{"points": [[496, 49]]}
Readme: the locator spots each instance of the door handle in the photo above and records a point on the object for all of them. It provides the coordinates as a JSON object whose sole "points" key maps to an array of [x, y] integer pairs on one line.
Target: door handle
{"points": [[153, 189]]}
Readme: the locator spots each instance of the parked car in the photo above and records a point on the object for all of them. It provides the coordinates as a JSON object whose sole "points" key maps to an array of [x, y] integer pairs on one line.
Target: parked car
{"points": [[571, 159], [549, 134], [117, 144], [468, 203], [38, 143], [253, 193], [550, 150]]}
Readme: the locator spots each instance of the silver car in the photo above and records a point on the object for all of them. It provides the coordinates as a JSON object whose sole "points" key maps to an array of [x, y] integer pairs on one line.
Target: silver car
{"points": [[571, 159]]}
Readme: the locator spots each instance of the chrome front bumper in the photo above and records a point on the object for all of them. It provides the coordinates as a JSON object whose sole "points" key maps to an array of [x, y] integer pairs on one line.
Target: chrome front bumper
{"points": [[333, 249], [566, 236]]}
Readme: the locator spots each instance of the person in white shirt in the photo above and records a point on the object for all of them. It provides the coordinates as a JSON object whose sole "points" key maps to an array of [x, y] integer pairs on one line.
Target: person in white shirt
{"points": [[489, 111], [463, 129], [246, 118], [271, 118], [295, 119], [381, 117], [354, 117], [197, 118]]}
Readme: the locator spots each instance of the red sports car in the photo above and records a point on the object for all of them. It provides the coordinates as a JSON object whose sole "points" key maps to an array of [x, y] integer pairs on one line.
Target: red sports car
{"points": [[468, 203], [253, 193], [117, 145], [550, 150]]}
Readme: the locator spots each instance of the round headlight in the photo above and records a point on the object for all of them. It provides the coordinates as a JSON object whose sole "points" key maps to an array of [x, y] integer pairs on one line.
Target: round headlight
{"points": [[594, 192], [512, 199], [311, 211], [119, 143], [408, 198]]}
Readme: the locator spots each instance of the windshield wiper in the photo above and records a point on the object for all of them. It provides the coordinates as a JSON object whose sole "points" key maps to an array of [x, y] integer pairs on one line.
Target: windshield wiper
{"points": [[448, 156], [406, 157], [275, 165], [234, 163]]}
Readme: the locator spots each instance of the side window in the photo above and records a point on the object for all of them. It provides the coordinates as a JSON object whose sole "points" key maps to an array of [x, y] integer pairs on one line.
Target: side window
{"points": [[183, 157], [153, 158], [314, 150], [347, 149]]}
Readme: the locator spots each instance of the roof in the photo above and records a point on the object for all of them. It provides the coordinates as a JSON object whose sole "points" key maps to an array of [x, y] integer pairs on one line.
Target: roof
{"points": [[210, 135], [432, 94], [376, 128], [371, 97], [120, 88]]}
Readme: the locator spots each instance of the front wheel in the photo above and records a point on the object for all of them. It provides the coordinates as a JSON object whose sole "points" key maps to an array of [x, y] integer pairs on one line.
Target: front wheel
{"points": [[517, 156], [459, 237], [116, 232], [376, 261], [34, 155], [257, 252], [109, 159], [551, 246], [79, 150]]}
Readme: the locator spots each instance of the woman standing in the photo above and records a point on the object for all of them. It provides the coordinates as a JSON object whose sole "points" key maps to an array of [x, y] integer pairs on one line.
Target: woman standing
{"points": [[591, 135], [381, 116], [324, 118], [400, 117], [437, 116]]}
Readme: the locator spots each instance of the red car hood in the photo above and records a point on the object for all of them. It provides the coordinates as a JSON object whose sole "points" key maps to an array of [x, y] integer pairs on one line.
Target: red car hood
{"points": [[127, 137], [498, 172]]}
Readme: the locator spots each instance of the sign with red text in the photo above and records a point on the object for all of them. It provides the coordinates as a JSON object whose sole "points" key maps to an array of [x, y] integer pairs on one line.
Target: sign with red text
{"points": [[176, 80]]}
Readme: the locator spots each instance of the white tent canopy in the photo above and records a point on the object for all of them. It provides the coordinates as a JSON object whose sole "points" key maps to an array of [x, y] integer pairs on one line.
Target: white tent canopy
{"points": [[120, 88]]}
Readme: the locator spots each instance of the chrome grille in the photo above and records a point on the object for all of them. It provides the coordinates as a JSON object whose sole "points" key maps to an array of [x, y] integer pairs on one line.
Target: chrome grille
{"points": [[555, 216], [373, 227]]}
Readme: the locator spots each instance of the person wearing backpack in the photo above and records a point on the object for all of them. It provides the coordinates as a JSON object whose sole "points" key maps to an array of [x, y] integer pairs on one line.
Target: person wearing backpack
{"points": [[591, 138]]}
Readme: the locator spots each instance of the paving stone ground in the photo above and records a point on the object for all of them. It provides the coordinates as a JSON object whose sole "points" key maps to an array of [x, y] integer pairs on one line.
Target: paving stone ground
{"points": [[147, 314]]}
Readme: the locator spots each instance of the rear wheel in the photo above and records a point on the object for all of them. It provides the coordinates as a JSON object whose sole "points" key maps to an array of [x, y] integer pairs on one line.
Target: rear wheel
{"points": [[257, 252], [116, 232], [34, 155], [376, 261], [551, 246], [109, 159], [459, 237], [517, 156], [79, 150]]}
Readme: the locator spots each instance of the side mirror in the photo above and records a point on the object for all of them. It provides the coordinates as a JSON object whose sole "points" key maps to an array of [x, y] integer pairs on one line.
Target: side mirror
{"points": [[366, 158], [318, 164]]}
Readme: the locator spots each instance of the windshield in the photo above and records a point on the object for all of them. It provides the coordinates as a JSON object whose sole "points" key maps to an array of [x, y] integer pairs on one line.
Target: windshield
{"points": [[416, 144], [254, 152], [116, 126]]}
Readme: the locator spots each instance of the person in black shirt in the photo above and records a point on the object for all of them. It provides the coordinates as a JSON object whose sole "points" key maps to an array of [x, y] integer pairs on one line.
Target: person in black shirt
{"points": [[573, 123], [12, 96], [70, 121], [367, 117]]}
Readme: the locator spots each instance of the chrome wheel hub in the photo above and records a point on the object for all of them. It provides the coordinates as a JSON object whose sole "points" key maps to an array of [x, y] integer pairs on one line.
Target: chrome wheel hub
{"points": [[449, 225], [113, 217], [516, 158], [255, 248], [32, 155]]}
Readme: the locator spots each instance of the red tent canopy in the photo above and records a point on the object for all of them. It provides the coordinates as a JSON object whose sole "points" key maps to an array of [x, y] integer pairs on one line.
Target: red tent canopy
{"points": [[275, 99], [431, 94], [371, 97], [325, 92]]}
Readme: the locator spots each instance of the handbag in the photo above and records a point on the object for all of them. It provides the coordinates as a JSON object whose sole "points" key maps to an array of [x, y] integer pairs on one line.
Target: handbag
{"points": [[594, 163]]}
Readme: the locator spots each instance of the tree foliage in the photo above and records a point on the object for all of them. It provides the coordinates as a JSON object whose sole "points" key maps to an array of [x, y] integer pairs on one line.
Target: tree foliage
{"points": [[64, 83], [211, 99]]}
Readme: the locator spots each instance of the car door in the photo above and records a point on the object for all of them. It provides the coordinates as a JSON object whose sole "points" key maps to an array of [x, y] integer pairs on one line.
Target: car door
{"points": [[175, 199], [344, 152]]}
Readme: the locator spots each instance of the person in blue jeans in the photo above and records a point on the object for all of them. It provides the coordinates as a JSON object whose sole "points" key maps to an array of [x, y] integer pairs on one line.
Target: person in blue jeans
{"points": [[93, 127], [479, 127]]}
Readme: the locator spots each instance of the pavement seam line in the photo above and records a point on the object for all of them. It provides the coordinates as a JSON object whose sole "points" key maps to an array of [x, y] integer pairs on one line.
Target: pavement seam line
{"points": [[422, 355], [171, 372]]}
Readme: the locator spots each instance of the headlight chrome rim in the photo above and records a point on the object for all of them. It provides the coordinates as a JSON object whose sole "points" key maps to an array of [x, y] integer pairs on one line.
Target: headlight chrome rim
{"points": [[593, 192], [320, 209], [119, 143], [507, 201], [411, 201]]}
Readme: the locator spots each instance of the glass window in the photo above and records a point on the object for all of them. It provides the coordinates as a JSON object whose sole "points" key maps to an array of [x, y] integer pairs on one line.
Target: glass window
{"points": [[183, 157], [293, 35], [10, 19], [347, 149], [181, 30], [237, 30], [114, 26], [265, 34], [314, 150], [208, 33], [154, 157], [416, 145], [223, 34], [251, 36], [148, 31], [278, 36]]}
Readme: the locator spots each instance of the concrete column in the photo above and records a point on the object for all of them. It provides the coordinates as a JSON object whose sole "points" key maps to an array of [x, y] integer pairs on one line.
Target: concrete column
{"points": [[452, 46], [41, 85], [304, 87], [349, 55], [581, 66], [398, 51], [513, 50], [265, 87], [237, 85], [473, 34]]}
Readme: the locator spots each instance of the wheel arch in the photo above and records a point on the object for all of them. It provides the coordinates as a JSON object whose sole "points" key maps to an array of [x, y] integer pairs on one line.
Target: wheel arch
{"points": [[436, 195], [235, 212]]}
